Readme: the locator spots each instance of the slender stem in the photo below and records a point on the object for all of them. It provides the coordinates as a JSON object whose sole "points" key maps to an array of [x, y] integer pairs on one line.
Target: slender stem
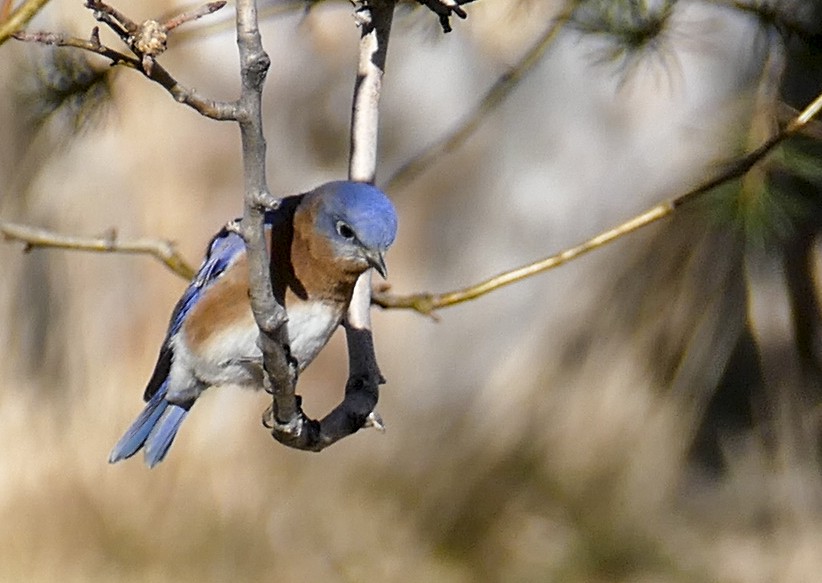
{"points": [[365, 111], [19, 18], [163, 251], [426, 303]]}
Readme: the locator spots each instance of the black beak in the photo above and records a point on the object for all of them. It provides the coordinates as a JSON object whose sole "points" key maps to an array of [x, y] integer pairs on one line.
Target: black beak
{"points": [[377, 261]]}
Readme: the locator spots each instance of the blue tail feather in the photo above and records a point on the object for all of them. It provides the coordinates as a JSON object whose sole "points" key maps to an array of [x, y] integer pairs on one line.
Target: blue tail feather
{"points": [[154, 429], [163, 433]]}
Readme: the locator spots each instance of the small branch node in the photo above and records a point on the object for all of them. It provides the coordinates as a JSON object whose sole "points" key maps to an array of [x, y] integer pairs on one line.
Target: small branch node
{"points": [[266, 201], [149, 41], [273, 321], [374, 420], [256, 69]]}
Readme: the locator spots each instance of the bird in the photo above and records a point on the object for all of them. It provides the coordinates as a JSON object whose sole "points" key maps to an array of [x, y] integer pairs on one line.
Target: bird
{"points": [[320, 242]]}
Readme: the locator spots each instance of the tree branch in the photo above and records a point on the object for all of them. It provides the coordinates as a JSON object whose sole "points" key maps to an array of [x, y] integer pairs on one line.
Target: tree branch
{"points": [[356, 410], [426, 303], [163, 251], [19, 18], [290, 426], [147, 40]]}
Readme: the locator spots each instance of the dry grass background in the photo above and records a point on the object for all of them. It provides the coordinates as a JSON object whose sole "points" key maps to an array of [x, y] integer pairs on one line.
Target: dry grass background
{"points": [[539, 434]]}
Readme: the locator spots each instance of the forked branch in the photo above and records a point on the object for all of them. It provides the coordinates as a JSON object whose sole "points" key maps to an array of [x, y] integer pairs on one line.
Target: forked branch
{"points": [[147, 41]]}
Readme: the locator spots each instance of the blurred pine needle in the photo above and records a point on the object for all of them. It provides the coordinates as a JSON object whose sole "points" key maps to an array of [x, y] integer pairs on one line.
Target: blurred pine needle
{"points": [[64, 87]]}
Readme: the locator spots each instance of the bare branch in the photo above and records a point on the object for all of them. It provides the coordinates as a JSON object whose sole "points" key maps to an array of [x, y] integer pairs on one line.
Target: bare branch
{"points": [[121, 24], [211, 108], [426, 303], [280, 368], [163, 251], [375, 19], [194, 14], [289, 425], [495, 96], [147, 41], [364, 377], [19, 18], [92, 45]]}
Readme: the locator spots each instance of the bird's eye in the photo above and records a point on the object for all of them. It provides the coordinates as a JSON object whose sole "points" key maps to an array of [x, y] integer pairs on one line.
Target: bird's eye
{"points": [[344, 230]]}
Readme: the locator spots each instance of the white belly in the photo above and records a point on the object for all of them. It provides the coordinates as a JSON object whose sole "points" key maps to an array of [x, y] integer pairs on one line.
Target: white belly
{"points": [[232, 356], [310, 326]]}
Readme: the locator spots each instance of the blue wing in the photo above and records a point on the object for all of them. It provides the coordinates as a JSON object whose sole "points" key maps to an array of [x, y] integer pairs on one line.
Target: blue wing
{"points": [[223, 250]]}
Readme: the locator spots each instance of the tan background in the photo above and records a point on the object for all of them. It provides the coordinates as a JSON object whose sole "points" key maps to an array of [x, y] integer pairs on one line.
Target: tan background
{"points": [[537, 434]]}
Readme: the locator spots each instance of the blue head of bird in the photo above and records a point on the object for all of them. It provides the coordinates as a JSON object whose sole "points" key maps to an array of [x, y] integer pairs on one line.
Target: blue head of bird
{"points": [[358, 220]]}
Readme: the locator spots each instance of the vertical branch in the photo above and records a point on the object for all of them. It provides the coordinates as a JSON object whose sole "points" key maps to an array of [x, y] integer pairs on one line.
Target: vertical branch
{"points": [[376, 28], [270, 316], [362, 388], [376, 20]]}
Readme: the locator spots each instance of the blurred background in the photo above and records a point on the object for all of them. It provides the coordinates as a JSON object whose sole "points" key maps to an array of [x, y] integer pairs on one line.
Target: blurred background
{"points": [[647, 413]]}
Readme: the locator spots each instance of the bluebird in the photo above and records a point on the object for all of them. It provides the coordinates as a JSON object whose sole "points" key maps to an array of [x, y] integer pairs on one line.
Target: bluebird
{"points": [[320, 243]]}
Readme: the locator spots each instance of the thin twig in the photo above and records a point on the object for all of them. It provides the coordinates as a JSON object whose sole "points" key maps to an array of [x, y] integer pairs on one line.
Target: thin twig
{"points": [[498, 92], [144, 62], [193, 14], [164, 251], [92, 45], [211, 108], [19, 18], [785, 113], [218, 110], [426, 303]]}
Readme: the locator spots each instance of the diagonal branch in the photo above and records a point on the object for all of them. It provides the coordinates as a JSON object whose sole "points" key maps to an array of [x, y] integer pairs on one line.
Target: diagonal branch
{"points": [[147, 41], [19, 18], [427, 303], [164, 251], [495, 96], [93, 45]]}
